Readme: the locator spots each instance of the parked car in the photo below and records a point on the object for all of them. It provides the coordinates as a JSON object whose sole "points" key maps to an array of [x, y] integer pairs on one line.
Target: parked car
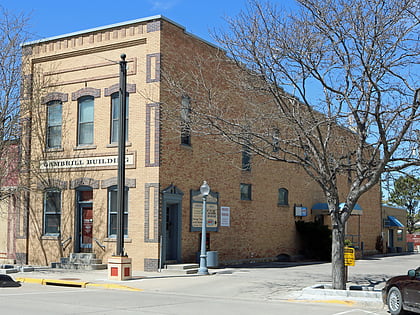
{"points": [[402, 293]]}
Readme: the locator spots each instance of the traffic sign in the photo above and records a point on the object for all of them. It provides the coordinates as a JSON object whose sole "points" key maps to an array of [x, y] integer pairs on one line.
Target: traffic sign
{"points": [[349, 256]]}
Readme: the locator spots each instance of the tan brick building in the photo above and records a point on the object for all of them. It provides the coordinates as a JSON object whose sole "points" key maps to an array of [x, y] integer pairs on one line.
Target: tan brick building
{"points": [[394, 227], [72, 139]]}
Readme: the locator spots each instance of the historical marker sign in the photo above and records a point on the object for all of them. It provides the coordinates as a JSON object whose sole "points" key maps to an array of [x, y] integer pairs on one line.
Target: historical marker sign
{"points": [[197, 211]]}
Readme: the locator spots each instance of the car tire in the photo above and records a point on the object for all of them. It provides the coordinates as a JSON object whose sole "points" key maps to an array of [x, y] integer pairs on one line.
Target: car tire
{"points": [[394, 301]]}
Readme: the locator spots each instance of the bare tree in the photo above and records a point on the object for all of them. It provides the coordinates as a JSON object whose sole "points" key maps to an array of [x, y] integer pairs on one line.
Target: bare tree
{"points": [[12, 34], [406, 193], [332, 87]]}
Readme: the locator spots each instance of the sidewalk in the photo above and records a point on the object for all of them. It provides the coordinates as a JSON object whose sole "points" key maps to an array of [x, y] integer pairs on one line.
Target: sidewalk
{"points": [[170, 281]]}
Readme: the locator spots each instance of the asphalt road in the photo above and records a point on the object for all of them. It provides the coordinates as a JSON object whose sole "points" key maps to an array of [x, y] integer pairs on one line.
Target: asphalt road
{"points": [[36, 300], [248, 289]]}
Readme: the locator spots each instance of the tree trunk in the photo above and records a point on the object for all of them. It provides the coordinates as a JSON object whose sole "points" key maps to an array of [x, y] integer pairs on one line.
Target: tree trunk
{"points": [[337, 253]]}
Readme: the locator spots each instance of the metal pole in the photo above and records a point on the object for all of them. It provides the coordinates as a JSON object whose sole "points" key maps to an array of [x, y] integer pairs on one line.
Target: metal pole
{"points": [[121, 202], [203, 256]]}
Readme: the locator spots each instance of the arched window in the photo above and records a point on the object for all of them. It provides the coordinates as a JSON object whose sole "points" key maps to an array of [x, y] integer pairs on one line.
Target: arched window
{"points": [[52, 212], [283, 197], [85, 121], [54, 124], [113, 211]]}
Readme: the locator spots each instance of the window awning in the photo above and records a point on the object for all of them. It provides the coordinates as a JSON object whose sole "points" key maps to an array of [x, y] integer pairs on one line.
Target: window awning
{"points": [[393, 221], [322, 208]]}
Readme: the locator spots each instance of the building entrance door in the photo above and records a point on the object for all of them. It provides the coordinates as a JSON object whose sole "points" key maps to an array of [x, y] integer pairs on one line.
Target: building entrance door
{"points": [[87, 227], [391, 238], [172, 227], [84, 220]]}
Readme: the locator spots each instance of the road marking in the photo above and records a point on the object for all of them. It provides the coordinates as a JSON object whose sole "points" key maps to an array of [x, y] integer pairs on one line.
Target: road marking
{"points": [[344, 302], [351, 311]]}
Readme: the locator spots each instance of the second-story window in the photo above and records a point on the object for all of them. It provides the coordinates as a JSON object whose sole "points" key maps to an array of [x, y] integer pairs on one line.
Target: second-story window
{"points": [[85, 128], [54, 124], [115, 117], [186, 120], [246, 158]]}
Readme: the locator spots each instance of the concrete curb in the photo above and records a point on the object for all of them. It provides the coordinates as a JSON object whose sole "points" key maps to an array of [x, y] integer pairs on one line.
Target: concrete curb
{"points": [[80, 284], [318, 292]]}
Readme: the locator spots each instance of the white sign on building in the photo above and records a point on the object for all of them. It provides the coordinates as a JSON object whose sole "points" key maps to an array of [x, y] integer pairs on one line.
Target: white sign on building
{"points": [[82, 162]]}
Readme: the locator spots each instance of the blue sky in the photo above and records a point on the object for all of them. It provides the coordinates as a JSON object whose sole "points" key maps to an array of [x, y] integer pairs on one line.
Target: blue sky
{"points": [[52, 18]]}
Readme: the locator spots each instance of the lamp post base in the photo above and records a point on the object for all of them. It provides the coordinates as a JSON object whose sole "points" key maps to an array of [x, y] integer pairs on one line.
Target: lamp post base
{"points": [[203, 270], [119, 268]]}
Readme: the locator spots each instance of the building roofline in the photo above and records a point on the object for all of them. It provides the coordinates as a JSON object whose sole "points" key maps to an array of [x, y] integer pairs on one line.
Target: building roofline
{"points": [[100, 28], [393, 207]]}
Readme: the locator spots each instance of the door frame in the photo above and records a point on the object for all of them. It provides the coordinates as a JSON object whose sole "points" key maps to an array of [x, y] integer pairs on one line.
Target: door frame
{"points": [[81, 207], [78, 217], [171, 196]]}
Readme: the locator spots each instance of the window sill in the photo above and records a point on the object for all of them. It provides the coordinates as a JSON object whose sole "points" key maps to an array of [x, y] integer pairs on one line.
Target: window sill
{"points": [[54, 150], [186, 146], [50, 237], [114, 240], [85, 147], [115, 145]]}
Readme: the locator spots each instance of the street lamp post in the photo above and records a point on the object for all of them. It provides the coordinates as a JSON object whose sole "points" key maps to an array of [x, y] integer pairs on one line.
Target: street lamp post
{"points": [[119, 265], [204, 190], [121, 202]]}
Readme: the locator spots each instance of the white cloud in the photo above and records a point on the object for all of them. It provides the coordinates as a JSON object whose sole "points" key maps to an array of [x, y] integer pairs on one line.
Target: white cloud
{"points": [[157, 5]]}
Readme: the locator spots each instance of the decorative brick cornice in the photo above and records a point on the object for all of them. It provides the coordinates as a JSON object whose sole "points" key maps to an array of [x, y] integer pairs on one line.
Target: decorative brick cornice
{"points": [[131, 88], [84, 181], [53, 183], [129, 182], [88, 91], [153, 26], [55, 96]]}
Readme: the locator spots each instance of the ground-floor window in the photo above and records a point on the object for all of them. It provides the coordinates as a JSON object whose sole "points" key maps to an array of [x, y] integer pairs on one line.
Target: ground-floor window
{"points": [[113, 211], [52, 212]]}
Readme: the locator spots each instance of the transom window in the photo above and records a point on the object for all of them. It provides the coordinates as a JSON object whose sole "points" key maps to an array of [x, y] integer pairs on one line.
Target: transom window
{"points": [[85, 130], [54, 124]]}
